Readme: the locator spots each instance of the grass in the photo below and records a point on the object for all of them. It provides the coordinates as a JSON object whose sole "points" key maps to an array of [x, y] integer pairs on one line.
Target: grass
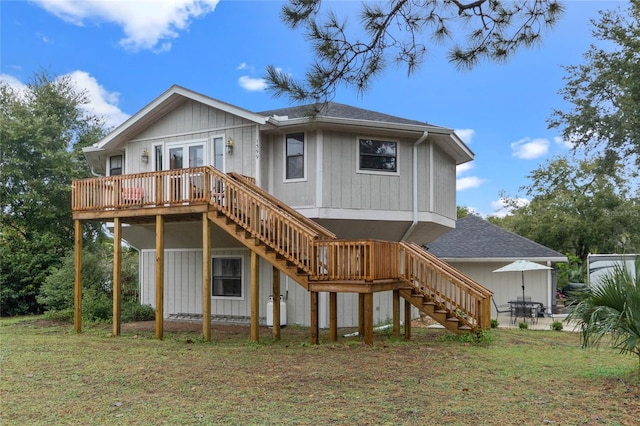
{"points": [[50, 375]]}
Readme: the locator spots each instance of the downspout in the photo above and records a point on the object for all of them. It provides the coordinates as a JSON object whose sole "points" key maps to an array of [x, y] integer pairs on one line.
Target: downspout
{"points": [[258, 154], [415, 185]]}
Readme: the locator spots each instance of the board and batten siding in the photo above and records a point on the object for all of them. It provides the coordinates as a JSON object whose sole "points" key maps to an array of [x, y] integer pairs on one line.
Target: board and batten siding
{"points": [[295, 193], [506, 286], [193, 121], [345, 187], [444, 185], [183, 291]]}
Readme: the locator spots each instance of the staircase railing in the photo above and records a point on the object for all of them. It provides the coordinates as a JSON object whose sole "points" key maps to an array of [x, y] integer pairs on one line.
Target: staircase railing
{"points": [[446, 286], [300, 241]]}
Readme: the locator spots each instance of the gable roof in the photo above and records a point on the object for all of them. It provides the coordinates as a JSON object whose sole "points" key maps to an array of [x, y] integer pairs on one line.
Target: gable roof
{"points": [[475, 239], [164, 103]]}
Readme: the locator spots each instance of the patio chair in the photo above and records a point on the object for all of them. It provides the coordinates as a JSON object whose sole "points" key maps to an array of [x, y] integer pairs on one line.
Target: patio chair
{"points": [[503, 309]]}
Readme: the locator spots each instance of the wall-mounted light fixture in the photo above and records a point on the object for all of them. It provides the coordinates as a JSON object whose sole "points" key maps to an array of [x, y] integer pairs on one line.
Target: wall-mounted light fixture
{"points": [[145, 156], [229, 146]]}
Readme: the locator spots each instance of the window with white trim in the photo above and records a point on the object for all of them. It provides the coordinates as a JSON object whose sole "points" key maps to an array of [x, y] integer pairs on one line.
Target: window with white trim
{"points": [[115, 165], [294, 152], [226, 277], [375, 155]]}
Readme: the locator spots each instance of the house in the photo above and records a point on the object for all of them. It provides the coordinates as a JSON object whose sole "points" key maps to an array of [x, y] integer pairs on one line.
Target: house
{"points": [[477, 248], [228, 207]]}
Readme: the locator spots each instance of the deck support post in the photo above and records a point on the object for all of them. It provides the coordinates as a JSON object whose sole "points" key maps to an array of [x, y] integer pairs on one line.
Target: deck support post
{"points": [[396, 313], [117, 275], [315, 329], [206, 278], [77, 277], [255, 297], [275, 284], [159, 277], [360, 314], [368, 319], [407, 320], [333, 316]]}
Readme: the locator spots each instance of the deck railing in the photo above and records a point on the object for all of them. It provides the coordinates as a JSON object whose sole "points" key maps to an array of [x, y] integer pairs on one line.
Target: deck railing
{"points": [[304, 244], [445, 285], [365, 260]]}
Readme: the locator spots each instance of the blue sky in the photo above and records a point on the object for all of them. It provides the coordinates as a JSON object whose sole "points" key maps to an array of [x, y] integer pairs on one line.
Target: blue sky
{"points": [[126, 53]]}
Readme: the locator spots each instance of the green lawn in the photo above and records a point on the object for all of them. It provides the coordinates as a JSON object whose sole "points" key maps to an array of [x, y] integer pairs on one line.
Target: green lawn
{"points": [[50, 375]]}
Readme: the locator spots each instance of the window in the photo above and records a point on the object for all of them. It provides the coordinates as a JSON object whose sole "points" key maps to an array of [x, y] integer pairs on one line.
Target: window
{"points": [[226, 277], [295, 156], [157, 153], [378, 156], [115, 165]]}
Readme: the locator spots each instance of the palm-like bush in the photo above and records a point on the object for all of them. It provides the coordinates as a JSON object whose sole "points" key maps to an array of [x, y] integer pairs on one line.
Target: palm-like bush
{"points": [[612, 308]]}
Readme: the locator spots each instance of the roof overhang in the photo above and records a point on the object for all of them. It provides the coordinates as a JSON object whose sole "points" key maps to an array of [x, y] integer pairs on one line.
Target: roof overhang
{"points": [[503, 259], [159, 107], [445, 138]]}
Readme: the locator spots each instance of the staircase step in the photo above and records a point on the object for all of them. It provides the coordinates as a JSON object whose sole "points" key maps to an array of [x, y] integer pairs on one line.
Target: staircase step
{"points": [[453, 319], [465, 328]]}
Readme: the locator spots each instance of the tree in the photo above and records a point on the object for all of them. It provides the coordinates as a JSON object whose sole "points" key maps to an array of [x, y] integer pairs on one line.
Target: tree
{"points": [[494, 30], [577, 209], [612, 308], [605, 91], [42, 131], [462, 211]]}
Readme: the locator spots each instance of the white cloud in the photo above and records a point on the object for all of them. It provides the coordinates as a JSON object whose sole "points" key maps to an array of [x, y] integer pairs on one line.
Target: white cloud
{"points": [[468, 183], [101, 102], [560, 141], [465, 134], [529, 149], [500, 208], [147, 24], [13, 82], [463, 168], [252, 84]]}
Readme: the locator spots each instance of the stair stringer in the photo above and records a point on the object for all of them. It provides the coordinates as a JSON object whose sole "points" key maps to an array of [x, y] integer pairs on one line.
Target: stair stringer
{"points": [[450, 319], [257, 246]]}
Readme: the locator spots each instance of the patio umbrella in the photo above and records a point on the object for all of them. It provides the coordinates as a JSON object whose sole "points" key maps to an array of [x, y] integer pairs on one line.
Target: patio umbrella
{"points": [[522, 266]]}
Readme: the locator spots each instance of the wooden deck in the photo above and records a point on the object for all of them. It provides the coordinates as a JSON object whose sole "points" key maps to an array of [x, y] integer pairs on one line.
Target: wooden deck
{"points": [[293, 244]]}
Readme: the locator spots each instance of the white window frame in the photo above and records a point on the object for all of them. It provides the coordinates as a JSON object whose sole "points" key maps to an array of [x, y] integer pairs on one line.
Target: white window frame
{"points": [[242, 293], [185, 146], [122, 170], [377, 172], [305, 146]]}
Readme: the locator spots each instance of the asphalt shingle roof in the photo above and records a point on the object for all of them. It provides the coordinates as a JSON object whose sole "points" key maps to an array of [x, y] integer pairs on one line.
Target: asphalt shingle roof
{"points": [[337, 110], [475, 238]]}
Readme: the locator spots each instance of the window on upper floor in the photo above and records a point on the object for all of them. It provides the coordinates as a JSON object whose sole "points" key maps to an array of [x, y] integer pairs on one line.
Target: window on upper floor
{"points": [[377, 155], [294, 156], [226, 278], [115, 165]]}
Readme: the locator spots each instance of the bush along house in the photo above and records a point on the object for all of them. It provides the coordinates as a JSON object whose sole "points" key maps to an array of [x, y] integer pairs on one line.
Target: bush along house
{"points": [[311, 215]]}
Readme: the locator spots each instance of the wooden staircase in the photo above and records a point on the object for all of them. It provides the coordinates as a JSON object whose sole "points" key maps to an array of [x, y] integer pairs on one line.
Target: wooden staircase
{"points": [[303, 250], [297, 246]]}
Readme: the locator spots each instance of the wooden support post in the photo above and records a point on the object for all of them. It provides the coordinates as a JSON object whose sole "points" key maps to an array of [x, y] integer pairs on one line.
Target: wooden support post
{"points": [[333, 316], [360, 314], [396, 313], [117, 275], [255, 297], [159, 277], [407, 320], [275, 283], [315, 329], [206, 278], [368, 319], [77, 277]]}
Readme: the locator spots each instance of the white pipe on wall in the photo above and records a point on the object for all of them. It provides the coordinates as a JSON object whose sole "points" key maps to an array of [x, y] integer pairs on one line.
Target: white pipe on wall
{"points": [[415, 184]]}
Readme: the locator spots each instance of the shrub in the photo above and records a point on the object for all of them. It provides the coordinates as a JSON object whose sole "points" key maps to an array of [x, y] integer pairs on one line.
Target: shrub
{"points": [[494, 323], [133, 311], [523, 325], [556, 325]]}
